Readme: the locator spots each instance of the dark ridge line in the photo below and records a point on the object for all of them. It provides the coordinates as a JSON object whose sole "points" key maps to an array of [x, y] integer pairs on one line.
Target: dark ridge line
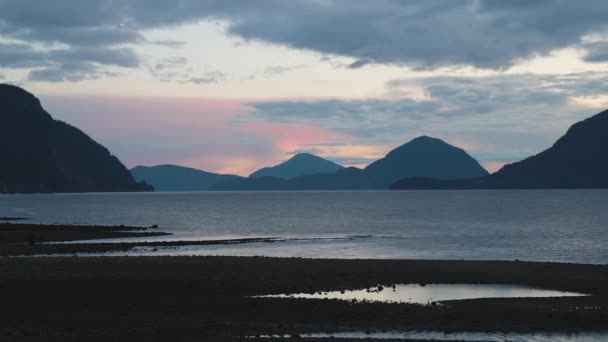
{"points": [[5, 218]]}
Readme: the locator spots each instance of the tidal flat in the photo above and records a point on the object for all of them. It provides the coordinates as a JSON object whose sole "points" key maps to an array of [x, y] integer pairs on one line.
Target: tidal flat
{"points": [[185, 298], [181, 298]]}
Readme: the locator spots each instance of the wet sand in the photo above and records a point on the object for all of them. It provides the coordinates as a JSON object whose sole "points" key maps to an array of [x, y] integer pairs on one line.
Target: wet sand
{"points": [[189, 297], [209, 298]]}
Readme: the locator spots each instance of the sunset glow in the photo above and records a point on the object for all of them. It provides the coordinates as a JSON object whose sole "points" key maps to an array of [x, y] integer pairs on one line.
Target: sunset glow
{"points": [[234, 93]]}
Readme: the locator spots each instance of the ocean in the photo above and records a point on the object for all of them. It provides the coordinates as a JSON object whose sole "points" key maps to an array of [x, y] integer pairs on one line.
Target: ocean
{"points": [[535, 225]]}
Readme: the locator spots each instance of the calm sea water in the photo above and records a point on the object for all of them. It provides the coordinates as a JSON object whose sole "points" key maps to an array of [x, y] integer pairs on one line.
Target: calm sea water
{"points": [[555, 225]]}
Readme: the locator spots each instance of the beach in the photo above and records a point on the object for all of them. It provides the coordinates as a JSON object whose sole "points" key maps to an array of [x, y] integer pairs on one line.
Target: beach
{"points": [[162, 298]]}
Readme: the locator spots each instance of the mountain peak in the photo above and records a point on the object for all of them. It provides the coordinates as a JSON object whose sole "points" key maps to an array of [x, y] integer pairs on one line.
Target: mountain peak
{"points": [[577, 160], [41, 154], [14, 91], [424, 140], [425, 156], [582, 127], [423, 144], [306, 157], [303, 155], [301, 164], [21, 102]]}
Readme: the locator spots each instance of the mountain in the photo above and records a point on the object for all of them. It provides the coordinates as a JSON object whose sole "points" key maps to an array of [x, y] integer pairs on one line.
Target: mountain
{"points": [[424, 157], [178, 178], [421, 157], [40, 154], [579, 159], [349, 178], [299, 165]]}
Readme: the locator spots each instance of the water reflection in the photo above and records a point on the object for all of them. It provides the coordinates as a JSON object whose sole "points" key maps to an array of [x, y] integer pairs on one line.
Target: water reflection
{"points": [[426, 294]]}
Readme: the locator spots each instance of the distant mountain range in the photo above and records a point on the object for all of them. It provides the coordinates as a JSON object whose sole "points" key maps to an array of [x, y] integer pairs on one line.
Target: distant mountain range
{"points": [[578, 160], [421, 157], [42, 155], [178, 178], [301, 164]]}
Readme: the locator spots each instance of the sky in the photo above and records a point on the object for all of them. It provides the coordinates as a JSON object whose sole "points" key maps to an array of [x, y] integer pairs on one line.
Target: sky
{"points": [[234, 85]]}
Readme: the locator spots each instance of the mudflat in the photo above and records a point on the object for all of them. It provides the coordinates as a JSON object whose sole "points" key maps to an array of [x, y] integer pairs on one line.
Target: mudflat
{"points": [[162, 298], [180, 298]]}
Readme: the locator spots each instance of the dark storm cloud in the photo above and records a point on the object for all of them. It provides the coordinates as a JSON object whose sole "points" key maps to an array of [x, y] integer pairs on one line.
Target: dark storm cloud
{"points": [[422, 34]]}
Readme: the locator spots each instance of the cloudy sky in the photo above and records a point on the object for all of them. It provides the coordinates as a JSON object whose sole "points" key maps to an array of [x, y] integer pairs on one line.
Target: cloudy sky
{"points": [[231, 86]]}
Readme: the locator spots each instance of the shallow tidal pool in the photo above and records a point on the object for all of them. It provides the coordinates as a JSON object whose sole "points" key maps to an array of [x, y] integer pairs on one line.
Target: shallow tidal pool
{"points": [[432, 293]]}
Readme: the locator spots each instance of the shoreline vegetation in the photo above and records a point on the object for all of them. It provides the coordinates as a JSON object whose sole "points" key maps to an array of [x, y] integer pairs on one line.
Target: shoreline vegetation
{"points": [[183, 298]]}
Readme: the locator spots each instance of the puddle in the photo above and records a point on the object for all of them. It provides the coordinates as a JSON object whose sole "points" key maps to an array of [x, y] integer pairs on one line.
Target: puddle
{"points": [[428, 294], [473, 337]]}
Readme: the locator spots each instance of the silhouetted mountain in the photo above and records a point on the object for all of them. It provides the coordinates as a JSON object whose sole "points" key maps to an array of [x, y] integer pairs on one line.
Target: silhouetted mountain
{"points": [[299, 165], [40, 154], [344, 179], [421, 157], [424, 157], [178, 178], [579, 159]]}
